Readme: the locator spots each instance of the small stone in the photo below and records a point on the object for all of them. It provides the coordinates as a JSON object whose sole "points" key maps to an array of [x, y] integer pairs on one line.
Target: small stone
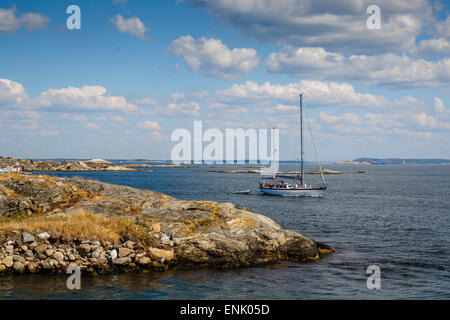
{"points": [[49, 252], [18, 258], [113, 254], [33, 245], [128, 244], [27, 238], [32, 268], [58, 256], [2, 268], [102, 258], [122, 261], [96, 253], [24, 248], [41, 248], [18, 267], [9, 249], [71, 257], [165, 239], [84, 249], [43, 236], [123, 252], [8, 261], [29, 254], [96, 243], [144, 261]]}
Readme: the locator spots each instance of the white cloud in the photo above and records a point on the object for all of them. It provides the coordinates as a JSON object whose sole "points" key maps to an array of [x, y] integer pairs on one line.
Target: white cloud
{"points": [[146, 101], [180, 109], [118, 119], [389, 69], [439, 105], [176, 96], [86, 98], [213, 58], [149, 125], [330, 24], [92, 126], [432, 47], [54, 133], [10, 22], [11, 93], [317, 92], [132, 26], [440, 45], [428, 121], [343, 118], [73, 117]]}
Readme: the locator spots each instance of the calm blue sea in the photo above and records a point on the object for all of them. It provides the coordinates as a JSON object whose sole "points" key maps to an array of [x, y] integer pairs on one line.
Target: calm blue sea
{"points": [[393, 216]]}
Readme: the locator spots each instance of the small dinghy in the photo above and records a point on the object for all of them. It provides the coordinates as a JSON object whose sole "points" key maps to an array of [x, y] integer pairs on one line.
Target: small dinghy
{"points": [[243, 192]]}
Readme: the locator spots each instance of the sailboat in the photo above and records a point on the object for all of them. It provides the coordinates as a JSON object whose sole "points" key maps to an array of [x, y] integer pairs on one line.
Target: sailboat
{"points": [[275, 186]]}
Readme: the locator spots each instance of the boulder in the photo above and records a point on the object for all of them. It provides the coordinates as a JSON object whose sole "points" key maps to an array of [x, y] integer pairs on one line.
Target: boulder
{"points": [[156, 254], [27, 237], [40, 249], [43, 236], [144, 261], [8, 261], [18, 267], [123, 252], [121, 261], [84, 249]]}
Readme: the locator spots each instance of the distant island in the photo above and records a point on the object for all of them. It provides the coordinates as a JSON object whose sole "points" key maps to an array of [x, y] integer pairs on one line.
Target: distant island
{"points": [[400, 161]]}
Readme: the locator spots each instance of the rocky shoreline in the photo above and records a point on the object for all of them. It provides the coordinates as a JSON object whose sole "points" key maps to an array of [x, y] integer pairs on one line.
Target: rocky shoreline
{"points": [[38, 165], [48, 224]]}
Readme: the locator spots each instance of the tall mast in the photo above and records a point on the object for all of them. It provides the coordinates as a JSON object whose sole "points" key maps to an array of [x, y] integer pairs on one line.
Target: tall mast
{"points": [[302, 155]]}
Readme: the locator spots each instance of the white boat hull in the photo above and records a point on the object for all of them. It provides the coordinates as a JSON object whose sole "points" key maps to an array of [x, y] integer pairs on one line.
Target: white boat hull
{"points": [[294, 192]]}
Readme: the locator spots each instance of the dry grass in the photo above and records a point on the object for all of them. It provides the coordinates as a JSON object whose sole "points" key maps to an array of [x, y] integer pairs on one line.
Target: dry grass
{"points": [[81, 225]]}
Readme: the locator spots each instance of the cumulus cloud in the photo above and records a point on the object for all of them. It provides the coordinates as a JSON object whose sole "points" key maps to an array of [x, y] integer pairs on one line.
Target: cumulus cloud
{"points": [[426, 120], [11, 93], [52, 133], [330, 24], [440, 45], [149, 125], [92, 126], [343, 118], [133, 26], [86, 98], [118, 119], [10, 21], [213, 58], [439, 105], [317, 92], [388, 69]]}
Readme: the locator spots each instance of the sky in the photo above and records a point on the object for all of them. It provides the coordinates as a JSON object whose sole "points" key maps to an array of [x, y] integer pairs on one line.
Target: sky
{"points": [[137, 70]]}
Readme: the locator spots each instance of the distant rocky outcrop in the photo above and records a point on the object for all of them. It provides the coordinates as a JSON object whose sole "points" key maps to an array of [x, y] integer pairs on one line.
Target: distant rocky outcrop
{"points": [[352, 162], [37, 165], [49, 223]]}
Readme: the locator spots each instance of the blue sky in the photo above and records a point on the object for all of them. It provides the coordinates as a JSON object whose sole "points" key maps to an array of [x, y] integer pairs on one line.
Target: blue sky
{"points": [[137, 70]]}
